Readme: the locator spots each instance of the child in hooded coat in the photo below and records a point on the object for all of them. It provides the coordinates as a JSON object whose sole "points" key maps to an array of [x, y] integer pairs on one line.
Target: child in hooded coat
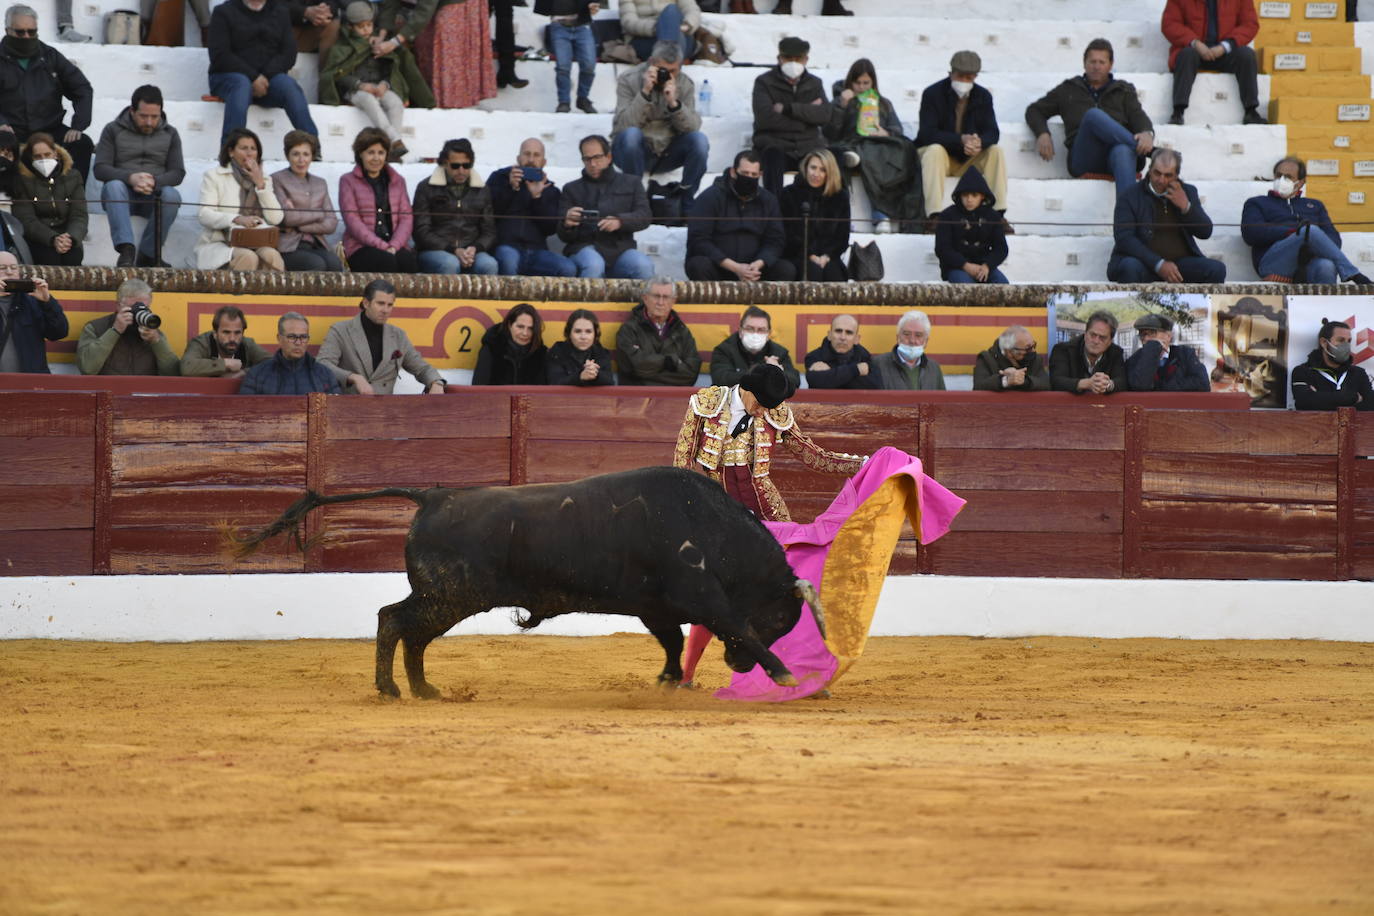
{"points": [[971, 240]]}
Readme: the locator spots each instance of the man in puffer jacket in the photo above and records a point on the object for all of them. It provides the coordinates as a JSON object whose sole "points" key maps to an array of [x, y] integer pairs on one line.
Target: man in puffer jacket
{"points": [[736, 229], [1330, 378], [1285, 229]]}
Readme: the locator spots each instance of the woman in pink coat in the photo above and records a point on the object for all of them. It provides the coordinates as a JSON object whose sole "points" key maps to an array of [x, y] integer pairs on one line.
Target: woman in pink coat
{"points": [[376, 209]]}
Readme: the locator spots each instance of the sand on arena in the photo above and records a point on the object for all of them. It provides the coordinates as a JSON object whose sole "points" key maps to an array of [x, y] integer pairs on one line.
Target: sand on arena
{"points": [[945, 775]]}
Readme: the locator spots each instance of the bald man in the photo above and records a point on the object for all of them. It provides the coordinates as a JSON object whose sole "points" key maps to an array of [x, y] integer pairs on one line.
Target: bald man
{"points": [[840, 362], [525, 203]]}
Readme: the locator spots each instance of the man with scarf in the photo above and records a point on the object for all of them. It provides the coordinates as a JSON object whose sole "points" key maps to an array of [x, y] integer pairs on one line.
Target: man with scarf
{"points": [[1157, 223], [738, 353], [1330, 379], [736, 229], [118, 344], [34, 78], [1162, 365]]}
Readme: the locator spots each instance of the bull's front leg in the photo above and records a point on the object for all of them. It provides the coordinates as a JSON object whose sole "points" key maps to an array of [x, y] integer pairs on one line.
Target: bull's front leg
{"points": [[669, 636], [744, 649]]}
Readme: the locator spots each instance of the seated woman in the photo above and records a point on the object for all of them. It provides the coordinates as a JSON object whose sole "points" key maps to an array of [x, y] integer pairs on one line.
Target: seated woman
{"points": [[647, 22], [815, 214], [513, 351], [376, 209], [454, 226], [579, 358], [307, 212], [50, 202], [237, 195], [971, 238], [886, 159]]}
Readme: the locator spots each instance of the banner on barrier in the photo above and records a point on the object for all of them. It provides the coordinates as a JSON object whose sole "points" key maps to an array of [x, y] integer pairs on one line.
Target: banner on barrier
{"points": [[1305, 314]]}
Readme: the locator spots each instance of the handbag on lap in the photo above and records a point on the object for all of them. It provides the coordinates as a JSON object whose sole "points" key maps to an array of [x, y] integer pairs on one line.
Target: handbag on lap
{"points": [[255, 238]]}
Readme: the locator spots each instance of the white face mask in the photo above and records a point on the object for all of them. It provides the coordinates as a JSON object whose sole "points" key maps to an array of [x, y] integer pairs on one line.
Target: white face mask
{"points": [[910, 353], [1284, 186], [45, 167], [753, 341], [793, 69], [961, 88]]}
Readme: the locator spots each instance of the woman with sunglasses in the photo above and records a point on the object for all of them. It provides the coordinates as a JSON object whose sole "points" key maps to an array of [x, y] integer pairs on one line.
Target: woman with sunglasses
{"points": [[454, 227]]}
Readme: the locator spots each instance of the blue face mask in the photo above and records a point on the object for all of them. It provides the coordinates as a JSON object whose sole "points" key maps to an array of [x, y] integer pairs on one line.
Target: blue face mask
{"points": [[910, 353]]}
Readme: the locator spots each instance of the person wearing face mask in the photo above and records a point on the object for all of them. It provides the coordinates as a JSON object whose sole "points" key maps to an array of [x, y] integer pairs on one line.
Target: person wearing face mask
{"points": [[1291, 237], [1162, 365], [907, 366], [34, 79], [736, 229], [790, 110], [1330, 379], [738, 353], [1011, 364], [1157, 224], [51, 203], [958, 131]]}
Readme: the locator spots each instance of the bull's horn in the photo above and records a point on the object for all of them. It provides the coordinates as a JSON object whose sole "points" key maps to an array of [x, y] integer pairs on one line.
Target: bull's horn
{"points": [[807, 592]]}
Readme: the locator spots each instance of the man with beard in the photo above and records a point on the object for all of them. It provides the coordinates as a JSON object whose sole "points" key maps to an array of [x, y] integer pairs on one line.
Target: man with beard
{"points": [[223, 352], [139, 162], [1330, 378], [122, 344]]}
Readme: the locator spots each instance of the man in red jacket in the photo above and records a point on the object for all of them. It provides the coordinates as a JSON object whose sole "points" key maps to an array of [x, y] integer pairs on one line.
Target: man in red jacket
{"points": [[1212, 35]]}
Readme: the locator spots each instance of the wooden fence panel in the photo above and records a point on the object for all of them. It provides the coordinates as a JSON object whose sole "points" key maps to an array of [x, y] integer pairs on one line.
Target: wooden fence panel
{"points": [[1362, 539], [1239, 432], [47, 497], [1024, 427], [46, 553], [1263, 478], [208, 418], [453, 416], [1027, 553]]}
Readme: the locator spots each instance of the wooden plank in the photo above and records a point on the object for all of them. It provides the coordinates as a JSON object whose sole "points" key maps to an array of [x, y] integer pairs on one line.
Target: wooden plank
{"points": [[46, 553], [210, 463], [860, 429], [1362, 500], [982, 553], [103, 475], [208, 418], [46, 507], [551, 460], [316, 434], [179, 550], [1345, 491], [26, 414], [519, 439], [1364, 434], [373, 515], [925, 558], [1235, 526], [371, 463], [1222, 564], [1254, 432], [419, 416], [1131, 482], [906, 558], [41, 460], [1019, 511], [622, 418], [1070, 471], [1092, 427], [365, 551], [1302, 479], [198, 507]]}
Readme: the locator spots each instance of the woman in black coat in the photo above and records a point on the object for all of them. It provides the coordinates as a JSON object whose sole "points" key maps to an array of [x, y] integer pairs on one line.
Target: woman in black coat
{"points": [[513, 351], [815, 210], [579, 358]]}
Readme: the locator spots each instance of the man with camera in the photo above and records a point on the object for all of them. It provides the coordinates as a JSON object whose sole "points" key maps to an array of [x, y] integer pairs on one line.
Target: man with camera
{"points": [[602, 211], [525, 203], [657, 128], [29, 315], [127, 342], [223, 352]]}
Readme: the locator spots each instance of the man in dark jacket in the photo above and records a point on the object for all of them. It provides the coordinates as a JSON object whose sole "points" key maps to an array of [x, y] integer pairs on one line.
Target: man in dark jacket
{"points": [[223, 351], [1157, 224], [1162, 365], [736, 229], [1330, 378], [736, 354], [908, 366], [839, 362], [958, 130], [790, 109], [252, 50], [1090, 363], [654, 346], [139, 161], [292, 370], [525, 204], [1105, 129], [971, 238], [454, 226], [1011, 364], [1212, 35], [34, 78], [26, 320], [601, 241], [1283, 229], [121, 344]]}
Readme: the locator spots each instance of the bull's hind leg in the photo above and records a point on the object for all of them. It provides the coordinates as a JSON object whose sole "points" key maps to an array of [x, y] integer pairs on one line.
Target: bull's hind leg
{"points": [[429, 621], [389, 629], [669, 636]]}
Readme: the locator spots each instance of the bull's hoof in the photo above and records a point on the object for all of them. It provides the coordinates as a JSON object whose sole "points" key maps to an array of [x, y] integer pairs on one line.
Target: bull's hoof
{"points": [[785, 679], [424, 691], [669, 681], [389, 689]]}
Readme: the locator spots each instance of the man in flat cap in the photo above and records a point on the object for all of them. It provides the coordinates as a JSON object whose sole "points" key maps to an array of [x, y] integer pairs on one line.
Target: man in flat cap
{"points": [[1162, 365], [958, 129], [790, 108]]}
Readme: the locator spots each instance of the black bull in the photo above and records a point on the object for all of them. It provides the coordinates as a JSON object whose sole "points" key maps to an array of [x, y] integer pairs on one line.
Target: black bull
{"points": [[662, 544]]}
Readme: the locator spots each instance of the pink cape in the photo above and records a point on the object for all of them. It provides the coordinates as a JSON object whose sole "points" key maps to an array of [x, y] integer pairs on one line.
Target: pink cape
{"points": [[803, 650]]}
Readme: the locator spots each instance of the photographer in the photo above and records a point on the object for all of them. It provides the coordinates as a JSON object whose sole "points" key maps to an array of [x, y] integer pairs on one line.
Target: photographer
{"points": [[29, 314], [127, 342], [602, 211], [657, 128]]}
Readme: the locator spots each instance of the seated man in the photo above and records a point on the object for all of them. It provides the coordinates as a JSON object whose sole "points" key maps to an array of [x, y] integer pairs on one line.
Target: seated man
{"points": [[790, 109], [140, 164], [648, 23], [1105, 129], [126, 342], [1011, 364], [1090, 363], [602, 211], [958, 130], [654, 346], [526, 206], [292, 370], [736, 229], [366, 353], [1162, 365], [657, 128], [26, 320], [839, 362], [252, 50], [34, 79], [1212, 35], [223, 351], [1284, 229], [907, 366], [1157, 224], [315, 24], [737, 353], [1330, 378]]}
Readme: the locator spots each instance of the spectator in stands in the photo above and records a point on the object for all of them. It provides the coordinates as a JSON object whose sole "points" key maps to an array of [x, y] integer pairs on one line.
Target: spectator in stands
{"points": [[148, 9], [503, 43], [840, 362], [308, 216], [26, 320], [815, 219], [1105, 129], [656, 127], [123, 343], [1157, 224], [65, 30], [237, 195], [252, 50], [602, 242], [1011, 364], [1162, 365], [958, 132], [654, 346], [452, 42], [223, 351], [907, 365], [648, 22], [1090, 363], [751, 346], [1330, 379], [784, 8], [34, 78], [513, 352], [1291, 237], [886, 159], [736, 229], [376, 209], [971, 238], [292, 370], [1212, 35], [9, 167], [315, 24], [454, 227], [790, 109], [366, 353], [51, 203], [579, 358], [571, 39], [525, 205], [139, 161]]}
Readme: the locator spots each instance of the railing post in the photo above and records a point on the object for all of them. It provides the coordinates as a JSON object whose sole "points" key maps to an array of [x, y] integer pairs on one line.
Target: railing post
{"points": [[925, 450], [1132, 489], [316, 434], [519, 439], [104, 483], [1345, 492]]}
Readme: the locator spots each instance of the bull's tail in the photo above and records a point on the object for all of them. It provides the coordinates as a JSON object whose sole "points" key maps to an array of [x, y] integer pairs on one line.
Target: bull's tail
{"points": [[246, 544]]}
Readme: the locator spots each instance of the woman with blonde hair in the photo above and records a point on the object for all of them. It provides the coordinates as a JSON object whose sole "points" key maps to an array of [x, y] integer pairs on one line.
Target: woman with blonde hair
{"points": [[815, 214]]}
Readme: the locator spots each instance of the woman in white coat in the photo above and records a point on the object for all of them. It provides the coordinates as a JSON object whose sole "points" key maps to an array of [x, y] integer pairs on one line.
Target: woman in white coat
{"points": [[237, 194]]}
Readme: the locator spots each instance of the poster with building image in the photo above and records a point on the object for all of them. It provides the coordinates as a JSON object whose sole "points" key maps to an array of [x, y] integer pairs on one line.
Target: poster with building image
{"points": [[1305, 314], [1247, 348], [1189, 312]]}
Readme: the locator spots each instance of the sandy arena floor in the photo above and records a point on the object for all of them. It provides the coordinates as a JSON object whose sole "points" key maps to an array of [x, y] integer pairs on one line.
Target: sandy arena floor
{"points": [[946, 775]]}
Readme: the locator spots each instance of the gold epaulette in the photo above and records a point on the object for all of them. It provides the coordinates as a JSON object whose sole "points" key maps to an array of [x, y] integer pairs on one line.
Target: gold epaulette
{"points": [[780, 417], [707, 402]]}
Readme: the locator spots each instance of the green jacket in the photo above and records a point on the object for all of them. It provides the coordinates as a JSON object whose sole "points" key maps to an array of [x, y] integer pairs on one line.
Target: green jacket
{"points": [[202, 358], [102, 351], [412, 24], [350, 52]]}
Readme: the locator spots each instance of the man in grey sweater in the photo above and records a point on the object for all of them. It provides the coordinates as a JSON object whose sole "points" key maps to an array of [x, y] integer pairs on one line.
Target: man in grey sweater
{"points": [[139, 161]]}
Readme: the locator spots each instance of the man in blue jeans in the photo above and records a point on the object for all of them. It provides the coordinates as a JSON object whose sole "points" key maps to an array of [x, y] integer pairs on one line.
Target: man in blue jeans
{"points": [[571, 40], [656, 127], [1157, 224], [139, 161], [601, 212], [526, 205], [1284, 229], [252, 48]]}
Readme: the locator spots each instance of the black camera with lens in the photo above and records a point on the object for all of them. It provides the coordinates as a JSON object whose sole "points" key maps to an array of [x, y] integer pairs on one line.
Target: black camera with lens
{"points": [[145, 317]]}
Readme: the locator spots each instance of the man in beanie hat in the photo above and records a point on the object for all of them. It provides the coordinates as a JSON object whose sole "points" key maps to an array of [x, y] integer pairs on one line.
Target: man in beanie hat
{"points": [[958, 130], [1162, 365], [790, 109]]}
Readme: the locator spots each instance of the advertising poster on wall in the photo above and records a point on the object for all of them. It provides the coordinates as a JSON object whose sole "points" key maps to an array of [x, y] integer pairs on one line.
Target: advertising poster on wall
{"points": [[1247, 348], [1189, 312], [1305, 314]]}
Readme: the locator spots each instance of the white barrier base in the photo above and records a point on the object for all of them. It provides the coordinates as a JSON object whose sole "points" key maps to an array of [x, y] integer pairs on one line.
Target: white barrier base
{"points": [[344, 606]]}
